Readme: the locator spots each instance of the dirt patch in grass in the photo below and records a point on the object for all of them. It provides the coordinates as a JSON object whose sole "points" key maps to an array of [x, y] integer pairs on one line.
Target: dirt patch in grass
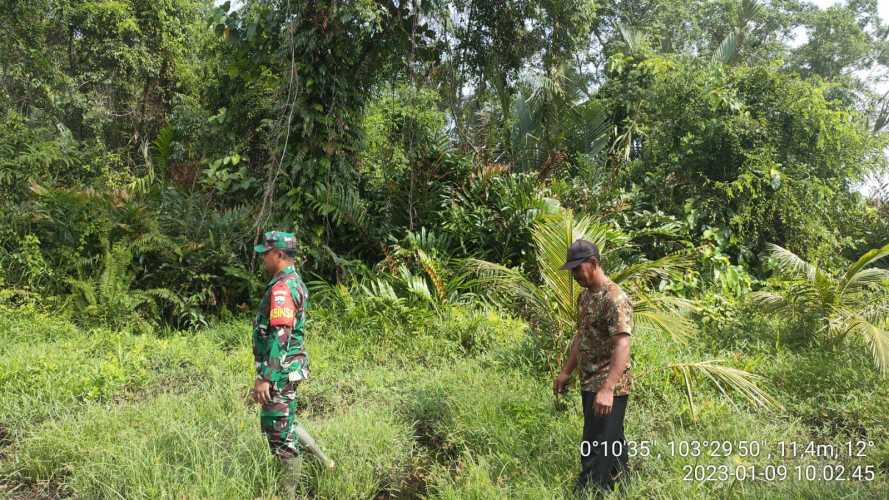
{"points": [[415, 485], [438, 446], [43, 490], [5, 443], [5, 437]]}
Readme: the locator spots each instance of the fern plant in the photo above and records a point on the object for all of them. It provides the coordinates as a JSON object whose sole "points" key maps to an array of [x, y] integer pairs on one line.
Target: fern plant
{"points": [[109, 299], [425, 270], [163, 147], [341, 204]]}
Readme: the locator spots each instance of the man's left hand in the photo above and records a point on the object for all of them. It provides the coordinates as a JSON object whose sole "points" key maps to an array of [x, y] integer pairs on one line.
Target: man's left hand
{"points": [[604, 401]]}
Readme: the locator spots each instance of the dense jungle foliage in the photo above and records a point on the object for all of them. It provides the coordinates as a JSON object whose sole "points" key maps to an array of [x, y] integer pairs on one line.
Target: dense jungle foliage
{"points": [[435, 159]]}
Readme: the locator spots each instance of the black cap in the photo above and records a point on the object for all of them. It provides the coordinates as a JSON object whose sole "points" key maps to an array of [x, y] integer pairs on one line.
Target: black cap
{"points": [[580, 251]]}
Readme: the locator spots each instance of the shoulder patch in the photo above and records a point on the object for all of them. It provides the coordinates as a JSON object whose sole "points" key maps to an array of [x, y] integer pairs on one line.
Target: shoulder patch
{"points": [[282, 310]]}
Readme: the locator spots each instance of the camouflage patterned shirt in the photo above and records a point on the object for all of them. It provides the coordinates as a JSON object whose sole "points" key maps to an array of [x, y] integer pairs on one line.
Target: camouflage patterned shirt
{"points": [[278, 349], [600, 315]]}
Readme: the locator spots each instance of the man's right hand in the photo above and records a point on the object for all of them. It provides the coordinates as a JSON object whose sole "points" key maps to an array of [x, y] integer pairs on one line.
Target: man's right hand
{"points": [[261, 391], [560, 384]]}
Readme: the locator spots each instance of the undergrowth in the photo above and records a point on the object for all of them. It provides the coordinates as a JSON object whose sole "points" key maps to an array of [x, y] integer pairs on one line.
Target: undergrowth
{"points": [[445, 406]]}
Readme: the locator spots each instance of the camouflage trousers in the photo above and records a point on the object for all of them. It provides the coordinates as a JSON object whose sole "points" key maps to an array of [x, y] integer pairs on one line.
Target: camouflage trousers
{"points": [[278, 419]]}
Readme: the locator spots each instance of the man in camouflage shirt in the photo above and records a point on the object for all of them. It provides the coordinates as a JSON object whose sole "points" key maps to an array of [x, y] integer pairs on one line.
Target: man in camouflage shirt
{"points": [[601, 347], [281, 360]]}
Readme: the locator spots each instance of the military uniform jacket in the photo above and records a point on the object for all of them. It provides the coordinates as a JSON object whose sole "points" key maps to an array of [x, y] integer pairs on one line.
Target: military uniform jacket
{"points": [[278, 342]]}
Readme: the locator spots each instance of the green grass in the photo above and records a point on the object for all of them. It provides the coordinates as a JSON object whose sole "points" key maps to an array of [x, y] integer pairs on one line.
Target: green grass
{"points": [[438, 405], [374, 451], [195, 444]]}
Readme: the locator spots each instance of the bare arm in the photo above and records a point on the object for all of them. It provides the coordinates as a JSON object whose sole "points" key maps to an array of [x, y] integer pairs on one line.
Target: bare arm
{"points": [[569, 366], [571, 361]]}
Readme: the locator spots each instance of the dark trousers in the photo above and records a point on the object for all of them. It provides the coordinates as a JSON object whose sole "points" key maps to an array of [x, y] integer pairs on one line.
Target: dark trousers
{"points": [[603, 454]]}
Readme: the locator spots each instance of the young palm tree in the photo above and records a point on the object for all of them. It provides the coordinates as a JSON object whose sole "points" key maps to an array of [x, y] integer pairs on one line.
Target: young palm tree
{"points": [[554, 300], [853, 305], [554, 113]]}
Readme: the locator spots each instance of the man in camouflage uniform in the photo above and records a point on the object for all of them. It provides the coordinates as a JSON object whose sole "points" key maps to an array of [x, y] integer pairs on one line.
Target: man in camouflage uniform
{"points": [[601, 347], [281, 360]]}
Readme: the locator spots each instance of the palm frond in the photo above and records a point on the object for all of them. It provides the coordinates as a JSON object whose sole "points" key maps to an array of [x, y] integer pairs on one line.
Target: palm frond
{"points": [[156, 241], [791, 264], [592, 124], [748, 11], [872, 280], [727, 49], [648, 316], [460, 281], [504, 282], [381, 289], [165, 294], [433, 270], [876, 312], [852, 304], [323, 291], [526, 127], [416, 285], [342, 204], [725, 379], [552, 237], [633, 37], [643, 273], [769, 301], [163, 145], [874, 336], [83, 292], [857, 272]]}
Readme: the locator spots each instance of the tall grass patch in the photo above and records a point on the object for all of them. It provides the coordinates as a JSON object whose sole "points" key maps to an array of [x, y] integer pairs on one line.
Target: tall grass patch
{"points": [[374, 452], [45, 379], [203, 443]]}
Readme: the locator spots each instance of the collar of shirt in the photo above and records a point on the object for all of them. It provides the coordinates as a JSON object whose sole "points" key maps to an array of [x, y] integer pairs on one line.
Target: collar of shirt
{"points": [[287, 270], [604, 288]]}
